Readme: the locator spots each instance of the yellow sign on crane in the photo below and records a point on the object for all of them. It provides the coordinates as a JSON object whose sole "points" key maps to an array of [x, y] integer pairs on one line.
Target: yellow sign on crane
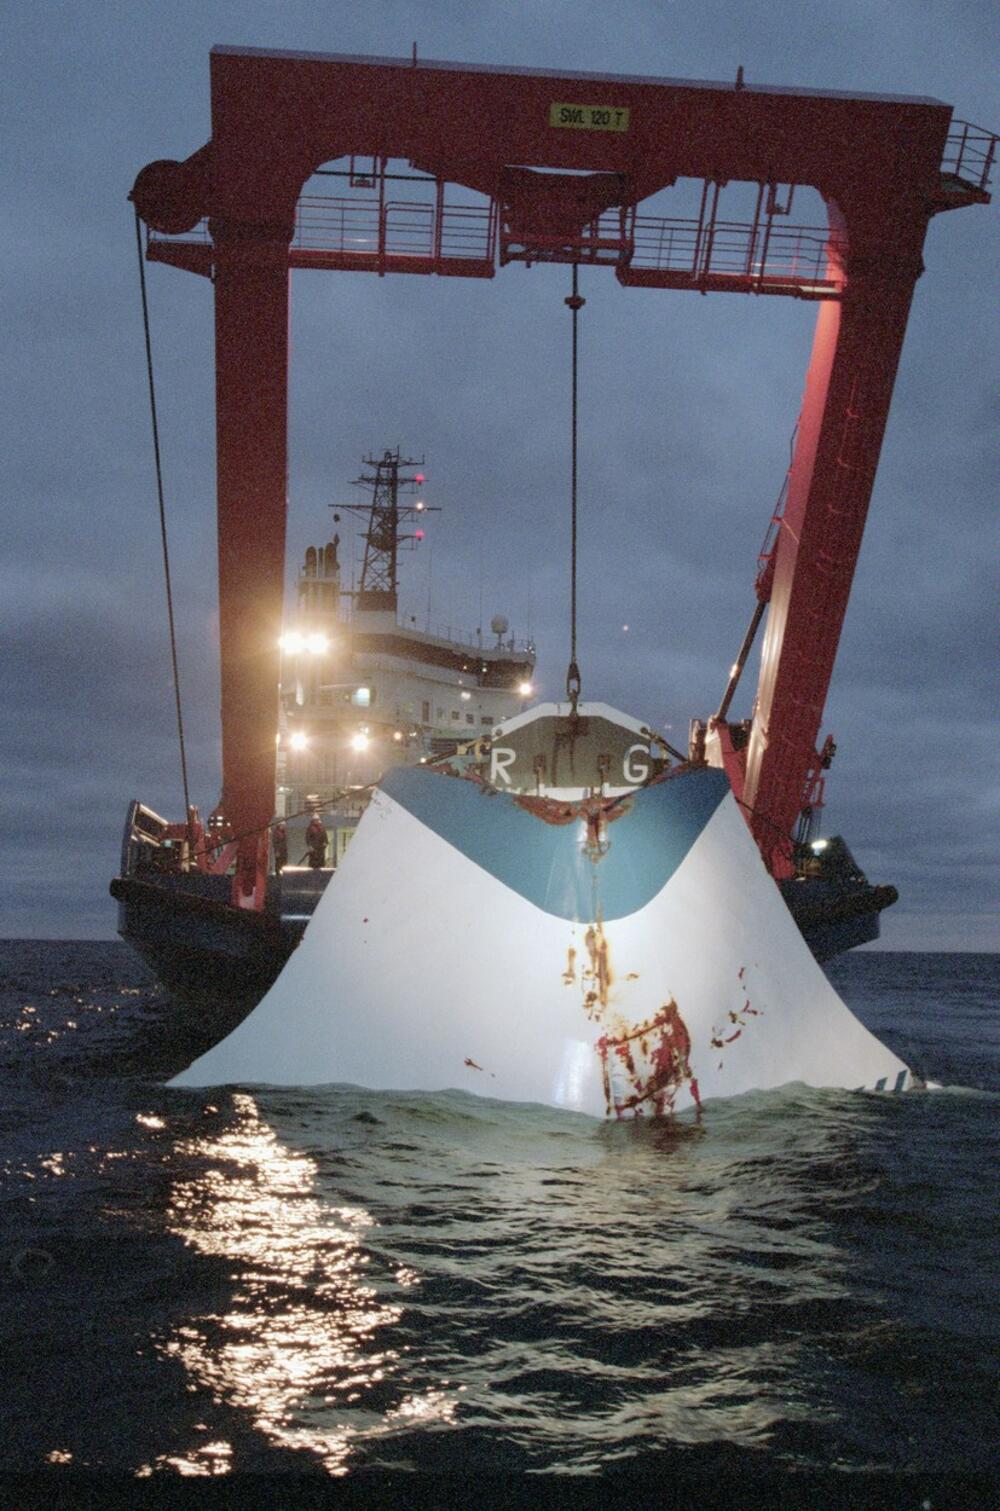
{"points": [[589, 117]]}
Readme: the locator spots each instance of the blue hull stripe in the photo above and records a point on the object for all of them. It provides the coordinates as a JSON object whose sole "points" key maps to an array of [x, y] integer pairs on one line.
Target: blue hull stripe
{"points": [[546, 863]]}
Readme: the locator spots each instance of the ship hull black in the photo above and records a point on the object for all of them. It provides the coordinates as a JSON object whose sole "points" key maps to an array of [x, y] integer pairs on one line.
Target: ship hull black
{"points": [[833, 922], [215, 961], [203, 950]]}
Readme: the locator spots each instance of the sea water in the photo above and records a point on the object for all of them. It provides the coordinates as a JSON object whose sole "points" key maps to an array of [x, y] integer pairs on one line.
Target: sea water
{"points": [[334, 1281]]}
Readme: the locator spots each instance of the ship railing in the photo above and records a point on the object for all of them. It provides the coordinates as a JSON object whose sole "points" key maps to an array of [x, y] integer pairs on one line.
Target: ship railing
{"points": [[477, 641], [969, 154], [342, 231]]}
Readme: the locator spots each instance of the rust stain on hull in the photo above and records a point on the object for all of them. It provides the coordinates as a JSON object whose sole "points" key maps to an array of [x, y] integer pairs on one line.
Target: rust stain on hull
{"points": [[645, 1065], [738, 1019], [599, 811], [472, 1065], [653, 1060], [600, 972]]}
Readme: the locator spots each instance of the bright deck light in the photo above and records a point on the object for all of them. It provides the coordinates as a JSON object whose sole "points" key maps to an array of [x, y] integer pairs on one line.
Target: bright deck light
{"points": [[298, 740], [359, 741], [294, 643], [525, 689]]}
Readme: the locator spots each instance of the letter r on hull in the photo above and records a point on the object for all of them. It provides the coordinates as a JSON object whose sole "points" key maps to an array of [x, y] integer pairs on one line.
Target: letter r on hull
{"points": [[501, 756]]}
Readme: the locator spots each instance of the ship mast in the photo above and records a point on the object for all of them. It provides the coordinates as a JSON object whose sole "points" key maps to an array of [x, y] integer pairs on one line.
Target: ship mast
{"points": [[385, 518]]}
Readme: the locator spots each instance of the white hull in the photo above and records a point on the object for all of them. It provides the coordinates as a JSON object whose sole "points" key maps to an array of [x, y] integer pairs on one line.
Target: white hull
{"points": [[422, 969]]}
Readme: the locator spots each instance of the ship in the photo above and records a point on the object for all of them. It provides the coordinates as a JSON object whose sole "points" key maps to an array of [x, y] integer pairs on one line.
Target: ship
{"points": [[362, 689], [701, 888]]}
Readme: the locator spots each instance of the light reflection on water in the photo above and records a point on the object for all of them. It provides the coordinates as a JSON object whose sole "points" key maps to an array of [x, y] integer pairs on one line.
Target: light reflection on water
{"points": [[446, 1284], [298, 1347], [595, 1288], [207, 1459]]}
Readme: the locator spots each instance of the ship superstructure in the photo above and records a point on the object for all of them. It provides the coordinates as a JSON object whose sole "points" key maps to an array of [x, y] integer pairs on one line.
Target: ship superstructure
{"points": [[364, 690]]}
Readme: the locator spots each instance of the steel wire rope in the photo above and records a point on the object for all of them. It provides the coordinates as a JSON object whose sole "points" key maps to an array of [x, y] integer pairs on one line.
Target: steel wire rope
{"points": [[163, 524], [575, 304], [783, 841]]}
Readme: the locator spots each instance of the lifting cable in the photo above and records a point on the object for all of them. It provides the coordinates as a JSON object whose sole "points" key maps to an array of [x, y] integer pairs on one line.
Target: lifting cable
{"points": [[575, 303], [163, 522]]}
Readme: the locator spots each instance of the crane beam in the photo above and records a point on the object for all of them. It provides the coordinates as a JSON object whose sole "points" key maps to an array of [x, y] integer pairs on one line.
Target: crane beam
{"points": [[564, 162]]}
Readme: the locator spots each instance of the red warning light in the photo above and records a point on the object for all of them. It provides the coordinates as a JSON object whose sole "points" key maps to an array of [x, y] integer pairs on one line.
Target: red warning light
{"points": [[418, 534], [419, 477]]}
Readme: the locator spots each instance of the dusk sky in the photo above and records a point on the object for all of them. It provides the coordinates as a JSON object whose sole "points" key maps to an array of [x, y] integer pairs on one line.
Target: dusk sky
{"points": [[687, 406]]}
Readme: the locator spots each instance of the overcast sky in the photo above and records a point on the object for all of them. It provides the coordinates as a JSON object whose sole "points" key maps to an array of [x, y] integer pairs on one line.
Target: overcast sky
{"points": [[686, 409]]}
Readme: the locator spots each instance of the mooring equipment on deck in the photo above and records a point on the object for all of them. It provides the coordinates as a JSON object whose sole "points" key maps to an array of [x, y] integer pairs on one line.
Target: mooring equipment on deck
{"points": [[522, 165]]}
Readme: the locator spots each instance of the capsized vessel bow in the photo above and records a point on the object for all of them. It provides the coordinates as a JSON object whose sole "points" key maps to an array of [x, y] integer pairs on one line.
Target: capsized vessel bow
{"points": [[558, 917]]}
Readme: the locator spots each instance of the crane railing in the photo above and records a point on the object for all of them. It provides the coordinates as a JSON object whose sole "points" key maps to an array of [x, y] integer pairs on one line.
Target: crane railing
{"points": [[736, 249], [396, 235]]}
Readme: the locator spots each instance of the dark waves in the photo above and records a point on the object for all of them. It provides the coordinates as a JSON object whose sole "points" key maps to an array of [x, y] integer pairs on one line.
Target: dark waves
{"points": [[332, 1280]]}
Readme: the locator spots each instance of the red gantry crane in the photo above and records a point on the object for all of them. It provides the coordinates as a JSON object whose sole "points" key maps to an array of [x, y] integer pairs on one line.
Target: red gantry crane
{"points": [[560, 165]]}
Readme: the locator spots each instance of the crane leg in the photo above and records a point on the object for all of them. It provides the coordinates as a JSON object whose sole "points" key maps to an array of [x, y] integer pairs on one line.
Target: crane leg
{"points": [[251, 335], [848, 388]]}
